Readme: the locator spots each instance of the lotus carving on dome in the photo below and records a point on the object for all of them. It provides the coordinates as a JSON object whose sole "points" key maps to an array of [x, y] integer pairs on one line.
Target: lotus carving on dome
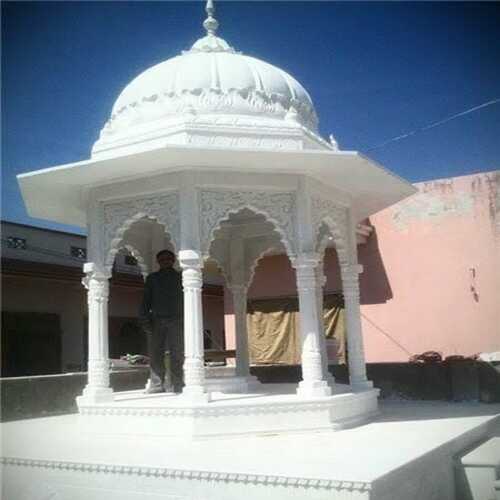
{"points": [[199, 101]]}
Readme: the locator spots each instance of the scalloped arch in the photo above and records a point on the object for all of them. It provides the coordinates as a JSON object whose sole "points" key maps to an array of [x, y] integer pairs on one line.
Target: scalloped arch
{"points": [[221, 268], [276, 208], [255, 263], [256, 211], [118, 242], [120, 216]]}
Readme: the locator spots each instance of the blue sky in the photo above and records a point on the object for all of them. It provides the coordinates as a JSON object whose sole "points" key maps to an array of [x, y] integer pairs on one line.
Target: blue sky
{"points": [[374, 71]]}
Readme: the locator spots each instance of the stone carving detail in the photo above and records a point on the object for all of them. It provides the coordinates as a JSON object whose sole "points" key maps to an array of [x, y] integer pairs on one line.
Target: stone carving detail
{"points": [[243, 101], [335, 217], [234, 141], [199, 475], [359, 401], [278, 208], [119, 216]]}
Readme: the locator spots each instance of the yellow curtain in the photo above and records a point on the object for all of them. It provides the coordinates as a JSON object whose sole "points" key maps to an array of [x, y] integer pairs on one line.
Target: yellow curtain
{"points": [[333, 318], [273, 334], [274, 329]]}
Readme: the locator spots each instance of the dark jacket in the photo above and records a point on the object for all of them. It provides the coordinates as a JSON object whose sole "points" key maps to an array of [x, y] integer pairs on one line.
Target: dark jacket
{"points": [[163, 297]]}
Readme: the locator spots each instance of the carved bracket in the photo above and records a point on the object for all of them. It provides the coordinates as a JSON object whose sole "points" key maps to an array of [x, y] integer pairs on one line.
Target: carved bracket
{"points": [[335, 217]]}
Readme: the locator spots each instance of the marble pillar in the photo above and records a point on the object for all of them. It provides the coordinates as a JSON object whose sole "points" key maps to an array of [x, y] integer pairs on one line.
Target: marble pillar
{"points": [[194, 370], [356, 356], [313, 382], [239, 293], [97, 389]]}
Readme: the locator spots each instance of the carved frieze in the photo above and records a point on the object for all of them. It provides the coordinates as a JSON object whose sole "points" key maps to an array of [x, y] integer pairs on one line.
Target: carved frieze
{"points": [[191, 474], [208, 101]]}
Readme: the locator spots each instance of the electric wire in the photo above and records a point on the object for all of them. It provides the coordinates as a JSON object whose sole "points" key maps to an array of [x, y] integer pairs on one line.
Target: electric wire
{"points": [[432, 125]]}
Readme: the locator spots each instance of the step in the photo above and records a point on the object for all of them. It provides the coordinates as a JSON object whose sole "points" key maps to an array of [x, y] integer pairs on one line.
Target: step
{"points": [[480, 471]]}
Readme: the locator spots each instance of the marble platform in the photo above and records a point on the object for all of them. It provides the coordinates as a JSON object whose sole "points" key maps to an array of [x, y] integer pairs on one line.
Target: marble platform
{"points": [[270, 408], [407, 452]]}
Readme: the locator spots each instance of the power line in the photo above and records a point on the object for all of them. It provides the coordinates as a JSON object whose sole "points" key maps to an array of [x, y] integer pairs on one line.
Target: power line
{"points": [[434, 124]]}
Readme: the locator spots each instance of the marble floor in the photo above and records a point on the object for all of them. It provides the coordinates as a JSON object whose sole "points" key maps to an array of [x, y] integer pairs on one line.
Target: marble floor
{"points": [[408, 450]]}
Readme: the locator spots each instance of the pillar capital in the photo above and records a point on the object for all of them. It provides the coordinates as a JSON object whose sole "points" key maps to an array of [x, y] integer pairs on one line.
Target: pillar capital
{"points": [[190, 259], [191, 264], [306, 260], [93, 271], [95, 278]]}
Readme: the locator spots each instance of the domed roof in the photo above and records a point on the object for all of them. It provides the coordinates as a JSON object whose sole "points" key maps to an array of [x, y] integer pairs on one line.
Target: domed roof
{"points": [[210, 84]]}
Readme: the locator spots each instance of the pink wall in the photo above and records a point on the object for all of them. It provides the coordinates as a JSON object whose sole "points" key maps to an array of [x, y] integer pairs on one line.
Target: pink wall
{"points": [[416, 286], [213, 317], [430, 246]]}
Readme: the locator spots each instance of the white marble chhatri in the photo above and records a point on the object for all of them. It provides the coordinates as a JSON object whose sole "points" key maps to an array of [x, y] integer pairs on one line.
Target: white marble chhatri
{"points": [[217, 155]]}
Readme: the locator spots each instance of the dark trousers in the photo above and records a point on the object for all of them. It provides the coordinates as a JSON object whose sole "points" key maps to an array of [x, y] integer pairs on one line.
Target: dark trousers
{"points": [[166, 334]]}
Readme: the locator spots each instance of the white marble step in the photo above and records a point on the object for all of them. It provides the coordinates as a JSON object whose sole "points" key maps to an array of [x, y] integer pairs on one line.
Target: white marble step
{"points": [[480, 472]]}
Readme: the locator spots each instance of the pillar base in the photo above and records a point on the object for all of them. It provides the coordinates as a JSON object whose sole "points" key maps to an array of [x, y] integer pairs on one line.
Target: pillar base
{"points": [[361, 385], [95, 395], [330, 380], [253, 382], [195, 394], [316, 389]]}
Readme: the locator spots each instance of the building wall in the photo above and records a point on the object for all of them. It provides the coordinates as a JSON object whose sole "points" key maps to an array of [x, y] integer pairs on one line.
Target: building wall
{"points": [[33, 289], [42, 245], [431, 277], [440, 251], [23, 294], [69, 301]]}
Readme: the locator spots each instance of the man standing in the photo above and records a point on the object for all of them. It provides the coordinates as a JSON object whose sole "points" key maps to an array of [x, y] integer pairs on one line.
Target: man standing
{"points": [[161, 315]]}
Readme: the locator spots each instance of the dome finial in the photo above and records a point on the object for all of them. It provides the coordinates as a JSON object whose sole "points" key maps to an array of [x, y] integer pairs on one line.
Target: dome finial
{"points": [[210, 23]]}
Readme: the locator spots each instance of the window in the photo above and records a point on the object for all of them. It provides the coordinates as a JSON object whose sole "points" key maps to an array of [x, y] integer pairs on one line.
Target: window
{"points": [[130, 260], [79, 253], [17, 243]]}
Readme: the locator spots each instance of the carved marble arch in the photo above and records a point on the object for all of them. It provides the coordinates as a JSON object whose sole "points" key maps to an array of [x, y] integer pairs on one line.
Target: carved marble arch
{"points": [[120, 241], [277, 208], [219, 254], [119, 217], [253, 261]]}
